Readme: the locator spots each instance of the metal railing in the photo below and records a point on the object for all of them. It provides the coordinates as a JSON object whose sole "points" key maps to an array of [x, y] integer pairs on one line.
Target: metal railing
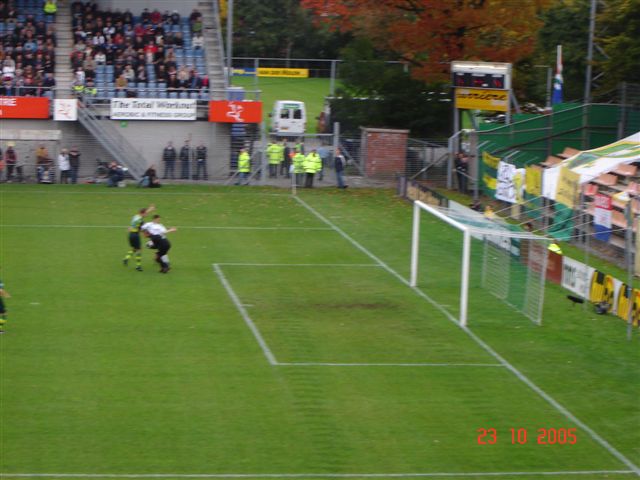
{"points": [[118, 146], [217, 27]]}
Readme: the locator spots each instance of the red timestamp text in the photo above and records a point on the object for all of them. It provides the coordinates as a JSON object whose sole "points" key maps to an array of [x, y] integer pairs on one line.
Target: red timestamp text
{"points": [[521, 436]]}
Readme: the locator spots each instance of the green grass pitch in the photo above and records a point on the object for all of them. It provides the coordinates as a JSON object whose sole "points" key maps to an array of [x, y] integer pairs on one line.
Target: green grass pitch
{"points": [[284, 343]]}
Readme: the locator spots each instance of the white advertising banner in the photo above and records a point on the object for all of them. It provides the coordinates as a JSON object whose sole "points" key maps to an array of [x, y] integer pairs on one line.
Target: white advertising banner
{"points": [[550, 182], [576, 277], [65, 109], [592, 163], [510, 183], [153, 109]]}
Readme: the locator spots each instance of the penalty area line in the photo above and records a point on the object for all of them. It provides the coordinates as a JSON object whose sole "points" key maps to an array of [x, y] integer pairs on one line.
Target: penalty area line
{"points": [[245, 315], [314, 475], [322, 364]]}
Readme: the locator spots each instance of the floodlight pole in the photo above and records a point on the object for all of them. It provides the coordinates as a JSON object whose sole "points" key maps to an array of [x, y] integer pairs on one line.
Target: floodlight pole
{"points": [[592, 32], [629, 252]]}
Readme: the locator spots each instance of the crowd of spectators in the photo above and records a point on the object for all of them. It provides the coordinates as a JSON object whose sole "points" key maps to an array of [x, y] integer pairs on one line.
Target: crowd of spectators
{"points": [[27, 47], [118, 54]]}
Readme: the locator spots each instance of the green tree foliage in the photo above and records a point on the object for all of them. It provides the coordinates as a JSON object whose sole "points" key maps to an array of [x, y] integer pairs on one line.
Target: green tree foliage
{"points": [[620, 24], [281, 28], [379, 94], [566, 24]]}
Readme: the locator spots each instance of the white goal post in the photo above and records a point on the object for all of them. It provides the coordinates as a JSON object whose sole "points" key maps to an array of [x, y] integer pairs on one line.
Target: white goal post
{"points": [[457, 251]]}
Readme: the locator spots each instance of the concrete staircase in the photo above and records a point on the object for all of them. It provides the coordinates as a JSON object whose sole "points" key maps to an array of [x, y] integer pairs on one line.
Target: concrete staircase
{"points": [[214, 50], [63, 73]]}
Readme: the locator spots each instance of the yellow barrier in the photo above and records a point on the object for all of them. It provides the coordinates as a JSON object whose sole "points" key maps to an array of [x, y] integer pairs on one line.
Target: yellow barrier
{"points": [[624, 302], [602, 289]]}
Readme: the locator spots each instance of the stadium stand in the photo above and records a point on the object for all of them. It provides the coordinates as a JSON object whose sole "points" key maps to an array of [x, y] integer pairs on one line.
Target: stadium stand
{"points": [[152, 55], [27, 50], [622, 184]]}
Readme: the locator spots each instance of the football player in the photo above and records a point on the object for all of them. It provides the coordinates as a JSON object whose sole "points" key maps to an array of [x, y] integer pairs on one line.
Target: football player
{"points": [[134, 236]]}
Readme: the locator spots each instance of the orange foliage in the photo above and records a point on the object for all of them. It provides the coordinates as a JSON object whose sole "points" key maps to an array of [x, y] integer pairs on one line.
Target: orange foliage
{"points": [[429, 34]]}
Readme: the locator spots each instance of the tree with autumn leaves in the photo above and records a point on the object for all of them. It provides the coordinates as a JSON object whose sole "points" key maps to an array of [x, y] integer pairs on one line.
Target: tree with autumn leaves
{"points": [[429, 34], [426, 36]]}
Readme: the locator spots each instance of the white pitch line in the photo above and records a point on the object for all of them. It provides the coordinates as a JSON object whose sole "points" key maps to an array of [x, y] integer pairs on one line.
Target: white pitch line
{"points": [[247, 319], [312, 475], [548, 398], [320, 364], [154, 194], [359, 265], [187, 227]]}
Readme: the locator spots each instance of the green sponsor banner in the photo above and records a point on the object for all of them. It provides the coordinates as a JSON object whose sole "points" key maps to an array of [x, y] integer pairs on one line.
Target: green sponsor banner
{"points": [[489, 169], [532, 207], [562, 227]]}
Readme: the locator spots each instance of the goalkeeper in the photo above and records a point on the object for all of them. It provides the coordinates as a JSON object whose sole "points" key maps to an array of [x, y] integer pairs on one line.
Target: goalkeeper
{"points": [[134, 236]]}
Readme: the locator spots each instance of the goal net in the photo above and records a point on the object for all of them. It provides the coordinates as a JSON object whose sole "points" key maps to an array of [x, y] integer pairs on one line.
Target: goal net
{"points": [[471, 266]]}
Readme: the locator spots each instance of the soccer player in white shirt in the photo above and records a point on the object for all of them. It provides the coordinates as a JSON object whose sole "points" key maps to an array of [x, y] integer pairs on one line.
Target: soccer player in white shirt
{"points": [[158, 234]]}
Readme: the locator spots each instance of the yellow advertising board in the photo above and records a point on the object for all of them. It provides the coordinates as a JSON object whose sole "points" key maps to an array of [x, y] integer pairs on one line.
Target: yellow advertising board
{"points": [[568, 185], [490, 160], [482, 99], [533, 180], [490, 182], [284, 72]]}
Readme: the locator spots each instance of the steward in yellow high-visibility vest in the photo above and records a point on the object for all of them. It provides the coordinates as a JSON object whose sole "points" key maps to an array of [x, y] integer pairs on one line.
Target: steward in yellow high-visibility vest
{"points": [[312, 164], [50, 7], [298, 166], [274, 153], [298, 162], [555, 248], [244, 167]]}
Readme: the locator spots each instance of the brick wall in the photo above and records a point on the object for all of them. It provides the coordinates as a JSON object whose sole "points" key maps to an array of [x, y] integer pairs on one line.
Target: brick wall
{"points": [[384, 151]]}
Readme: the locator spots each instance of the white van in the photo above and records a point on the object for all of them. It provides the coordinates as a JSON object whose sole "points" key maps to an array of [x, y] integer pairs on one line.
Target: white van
{"points": [[289, 117]]}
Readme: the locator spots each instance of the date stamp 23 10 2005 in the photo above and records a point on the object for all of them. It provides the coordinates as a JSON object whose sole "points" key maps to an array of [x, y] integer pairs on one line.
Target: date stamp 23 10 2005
{"points": [[520, 436]]}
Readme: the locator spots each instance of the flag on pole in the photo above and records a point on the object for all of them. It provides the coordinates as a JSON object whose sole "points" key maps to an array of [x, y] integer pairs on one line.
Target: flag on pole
{"points": [[556, 97]]}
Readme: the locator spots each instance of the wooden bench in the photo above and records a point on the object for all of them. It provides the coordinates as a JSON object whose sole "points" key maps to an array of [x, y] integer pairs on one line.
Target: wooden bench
{"points": [[606, 180], [626, 170], [618, 219], [633, 189], [568, 152], [550, 161], [589, 189]]}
